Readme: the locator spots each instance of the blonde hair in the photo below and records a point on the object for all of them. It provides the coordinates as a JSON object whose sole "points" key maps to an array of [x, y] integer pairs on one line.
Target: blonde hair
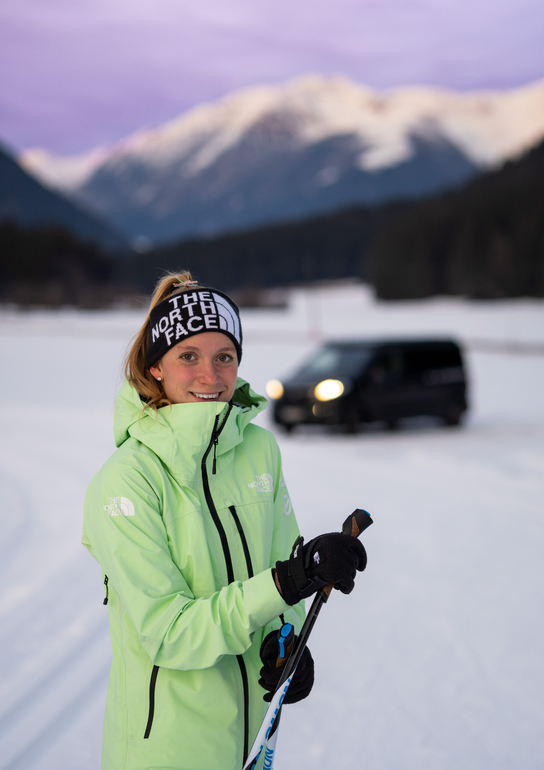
{"points": [[136, 371]]}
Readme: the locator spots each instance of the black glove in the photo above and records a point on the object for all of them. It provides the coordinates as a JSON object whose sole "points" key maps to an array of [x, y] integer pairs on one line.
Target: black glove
{"points": [[303, 678], [332, 558]]}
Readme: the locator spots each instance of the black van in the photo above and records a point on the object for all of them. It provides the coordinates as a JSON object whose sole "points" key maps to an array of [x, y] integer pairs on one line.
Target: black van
{"points": [[364, 381]]}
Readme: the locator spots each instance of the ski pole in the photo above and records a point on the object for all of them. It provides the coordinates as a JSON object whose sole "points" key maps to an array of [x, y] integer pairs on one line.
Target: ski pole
{"points": [[286, 638], [356, 523]]}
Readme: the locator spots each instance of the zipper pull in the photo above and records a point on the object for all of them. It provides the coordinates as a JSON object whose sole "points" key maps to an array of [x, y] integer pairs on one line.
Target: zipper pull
{"points": [[106, 584], [214, 465]]}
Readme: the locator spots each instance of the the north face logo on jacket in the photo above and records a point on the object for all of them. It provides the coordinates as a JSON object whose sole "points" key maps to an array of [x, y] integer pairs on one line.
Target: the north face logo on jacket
{"points": [[120, 506], [262, 483]]}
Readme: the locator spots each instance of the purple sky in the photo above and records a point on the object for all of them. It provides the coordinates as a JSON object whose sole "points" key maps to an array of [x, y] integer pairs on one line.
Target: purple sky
{"points": [[80, 73]]}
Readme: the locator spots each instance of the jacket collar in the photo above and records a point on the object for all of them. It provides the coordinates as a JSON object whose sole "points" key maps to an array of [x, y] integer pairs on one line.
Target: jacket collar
{"points": [[180, 434]]}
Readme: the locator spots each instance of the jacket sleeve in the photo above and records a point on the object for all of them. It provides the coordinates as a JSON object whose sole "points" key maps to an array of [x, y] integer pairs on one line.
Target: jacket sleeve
{"points": [[176, 630], [286, 531]]}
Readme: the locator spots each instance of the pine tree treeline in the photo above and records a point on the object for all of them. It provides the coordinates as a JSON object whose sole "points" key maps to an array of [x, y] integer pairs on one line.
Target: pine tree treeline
{"points": [[485, 241], [48, 266], [323, 248]]}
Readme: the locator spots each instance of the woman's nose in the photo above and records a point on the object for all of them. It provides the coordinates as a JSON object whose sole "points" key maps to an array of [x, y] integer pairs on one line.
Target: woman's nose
{"points": [[208, 372]]}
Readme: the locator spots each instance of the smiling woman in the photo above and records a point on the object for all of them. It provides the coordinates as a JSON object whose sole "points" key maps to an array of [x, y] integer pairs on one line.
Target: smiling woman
{"points": [[192, 524], [187, 542]]}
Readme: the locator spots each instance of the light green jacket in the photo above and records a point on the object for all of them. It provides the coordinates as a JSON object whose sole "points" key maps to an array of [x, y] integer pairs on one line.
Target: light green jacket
{"points": [[187, 553]]}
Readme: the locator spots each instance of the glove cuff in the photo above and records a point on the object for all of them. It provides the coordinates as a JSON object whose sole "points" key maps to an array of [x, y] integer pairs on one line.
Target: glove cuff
{"points": [[287, 587], [293, 581]]}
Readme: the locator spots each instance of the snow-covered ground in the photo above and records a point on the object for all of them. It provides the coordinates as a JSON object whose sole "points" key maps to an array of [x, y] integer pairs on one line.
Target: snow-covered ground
{"points": [[435, 661]]}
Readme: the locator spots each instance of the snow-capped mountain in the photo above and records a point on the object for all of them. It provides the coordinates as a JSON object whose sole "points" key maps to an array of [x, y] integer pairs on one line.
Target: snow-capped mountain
{"points": [[275, 153]]}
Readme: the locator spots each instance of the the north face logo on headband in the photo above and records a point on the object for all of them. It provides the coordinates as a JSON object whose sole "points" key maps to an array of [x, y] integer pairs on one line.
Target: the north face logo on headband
{"points": [[195, 311], [189, 313]]}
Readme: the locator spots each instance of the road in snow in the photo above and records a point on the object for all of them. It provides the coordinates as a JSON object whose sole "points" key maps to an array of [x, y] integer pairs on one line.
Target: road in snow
{"points": [[435, 661]]}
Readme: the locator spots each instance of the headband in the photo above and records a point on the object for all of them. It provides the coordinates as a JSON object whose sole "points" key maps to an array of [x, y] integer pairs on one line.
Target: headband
{"points": [[192, 312]]}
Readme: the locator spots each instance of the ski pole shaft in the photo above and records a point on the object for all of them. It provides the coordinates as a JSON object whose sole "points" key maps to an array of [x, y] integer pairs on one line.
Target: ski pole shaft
{"points": [[356, 523], [286, 640]]}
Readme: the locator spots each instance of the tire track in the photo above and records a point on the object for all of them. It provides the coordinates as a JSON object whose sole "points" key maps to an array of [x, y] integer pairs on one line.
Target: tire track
{"points": [[39, 689], [16, 506], [56, 728]]}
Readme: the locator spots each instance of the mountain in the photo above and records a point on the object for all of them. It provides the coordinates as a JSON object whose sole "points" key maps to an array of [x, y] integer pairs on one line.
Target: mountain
{"points": [[483, 240], [281, 153], [23, 200]]}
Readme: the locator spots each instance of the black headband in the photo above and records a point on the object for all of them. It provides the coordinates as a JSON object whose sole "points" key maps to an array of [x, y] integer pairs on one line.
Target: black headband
{"points": [[188, 313]]}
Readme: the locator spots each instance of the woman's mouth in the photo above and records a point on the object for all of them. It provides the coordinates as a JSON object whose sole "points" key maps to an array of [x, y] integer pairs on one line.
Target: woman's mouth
{"points": [[206, 396]]}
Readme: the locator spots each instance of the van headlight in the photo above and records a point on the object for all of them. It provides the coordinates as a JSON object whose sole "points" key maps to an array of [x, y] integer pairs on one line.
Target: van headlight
{"points": [[328, 389], [274, 389]]}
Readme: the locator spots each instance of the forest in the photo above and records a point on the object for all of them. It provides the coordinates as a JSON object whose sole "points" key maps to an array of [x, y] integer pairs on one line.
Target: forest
{"points": [[484, 240]]}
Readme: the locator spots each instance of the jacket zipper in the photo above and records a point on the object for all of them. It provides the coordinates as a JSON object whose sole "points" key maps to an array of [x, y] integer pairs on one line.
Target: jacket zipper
{"points": [[241, 663], [106, 580], [208, 495], [152, 683], [226, 552], [214, 441], [241, 532]]}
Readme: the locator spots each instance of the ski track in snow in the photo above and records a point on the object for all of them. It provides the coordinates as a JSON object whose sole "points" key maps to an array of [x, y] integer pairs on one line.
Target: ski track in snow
{"points": [[435, 660]]}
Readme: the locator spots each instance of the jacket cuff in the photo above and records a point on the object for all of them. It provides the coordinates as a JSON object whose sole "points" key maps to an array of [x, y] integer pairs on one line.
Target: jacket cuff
{"points": [[263, 602]]}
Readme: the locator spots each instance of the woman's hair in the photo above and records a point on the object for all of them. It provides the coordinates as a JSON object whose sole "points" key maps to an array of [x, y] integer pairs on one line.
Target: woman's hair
{"points": [[136, 371]]}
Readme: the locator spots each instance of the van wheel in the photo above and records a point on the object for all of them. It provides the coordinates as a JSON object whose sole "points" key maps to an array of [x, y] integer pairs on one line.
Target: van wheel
{"points": [[288, 427], [391, 425], [453, 414]]}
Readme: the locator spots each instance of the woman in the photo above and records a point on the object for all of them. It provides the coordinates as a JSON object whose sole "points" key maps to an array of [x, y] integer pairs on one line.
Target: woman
{"points": [[191, 522]]}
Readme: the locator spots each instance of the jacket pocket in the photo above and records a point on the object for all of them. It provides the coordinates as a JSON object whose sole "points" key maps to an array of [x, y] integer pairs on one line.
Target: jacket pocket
{"points": [[151, 713]]}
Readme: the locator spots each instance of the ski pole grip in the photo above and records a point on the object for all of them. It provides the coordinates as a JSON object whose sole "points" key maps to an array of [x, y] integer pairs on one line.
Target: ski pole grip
{"points": [[355, 523], [286, 639]]}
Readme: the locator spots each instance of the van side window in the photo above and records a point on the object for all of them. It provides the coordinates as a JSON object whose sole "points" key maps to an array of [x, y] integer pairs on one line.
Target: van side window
{"points": [[417, 363], [386, 368], [433, 365]]}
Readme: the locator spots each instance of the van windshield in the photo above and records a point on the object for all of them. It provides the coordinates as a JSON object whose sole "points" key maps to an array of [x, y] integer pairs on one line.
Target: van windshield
{"points": [[332, 362]]}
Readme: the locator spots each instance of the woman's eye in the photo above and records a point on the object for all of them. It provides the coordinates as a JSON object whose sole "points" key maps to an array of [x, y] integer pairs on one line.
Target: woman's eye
{"points": [[188, 356], [224, 358]]}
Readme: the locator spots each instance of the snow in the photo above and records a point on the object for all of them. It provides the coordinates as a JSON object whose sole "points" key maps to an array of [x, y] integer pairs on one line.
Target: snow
{"points": [[489, 127], [68, 172], [434, 661]]}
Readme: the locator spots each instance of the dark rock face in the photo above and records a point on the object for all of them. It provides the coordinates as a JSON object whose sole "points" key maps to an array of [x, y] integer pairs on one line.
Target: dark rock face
{"points": [[24, 201]]}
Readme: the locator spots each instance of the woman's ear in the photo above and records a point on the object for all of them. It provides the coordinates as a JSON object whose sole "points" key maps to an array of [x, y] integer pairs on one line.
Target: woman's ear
{"points": [[156, 371]]}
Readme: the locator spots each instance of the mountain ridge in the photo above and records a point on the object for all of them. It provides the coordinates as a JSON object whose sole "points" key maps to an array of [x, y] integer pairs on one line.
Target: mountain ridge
{"points": [[312, 145]]}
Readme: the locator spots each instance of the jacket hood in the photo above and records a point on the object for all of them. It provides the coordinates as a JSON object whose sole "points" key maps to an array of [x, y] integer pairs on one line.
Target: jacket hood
{"points": [[180, 433]]}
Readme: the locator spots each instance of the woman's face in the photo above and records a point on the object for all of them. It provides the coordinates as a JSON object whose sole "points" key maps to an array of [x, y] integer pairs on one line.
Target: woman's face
{"points": [[201, 368]]}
